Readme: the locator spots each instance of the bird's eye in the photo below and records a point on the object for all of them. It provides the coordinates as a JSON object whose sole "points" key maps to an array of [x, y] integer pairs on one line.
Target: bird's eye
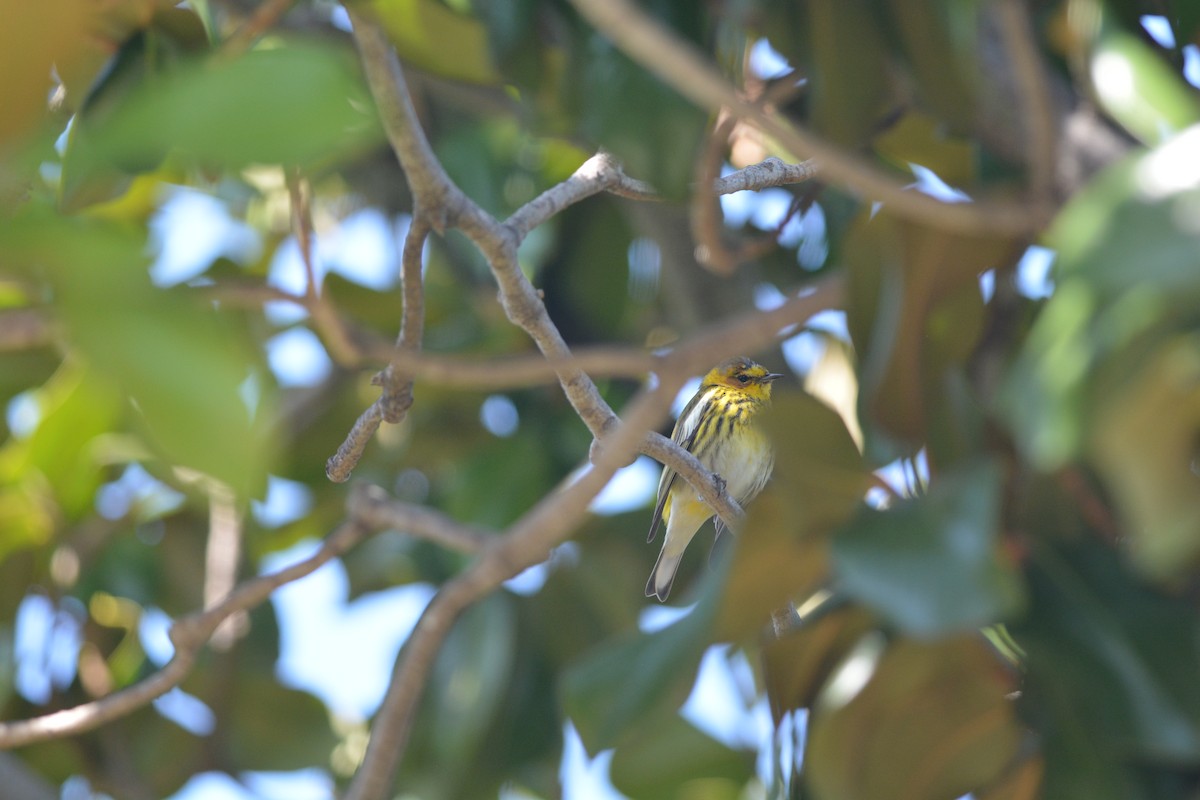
{"points": [[742, 378]]}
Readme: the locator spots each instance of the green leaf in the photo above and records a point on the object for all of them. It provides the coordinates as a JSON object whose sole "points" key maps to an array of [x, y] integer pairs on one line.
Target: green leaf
{"points": [[1140, 90], [623, 682], [941, 42], [621, 107], [76, 406], [435, 38], [851, 93], [1144, 443], [473, 670], [932, 565], [181, 364], [260, 709], [915, 312], [931, 722], [1111, 663], [673, 759], [1128, 274], [302, 103]]}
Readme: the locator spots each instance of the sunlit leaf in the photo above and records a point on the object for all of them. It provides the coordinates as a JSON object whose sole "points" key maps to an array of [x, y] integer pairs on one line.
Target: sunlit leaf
{"points": [[1138, 89], [433, 37]]}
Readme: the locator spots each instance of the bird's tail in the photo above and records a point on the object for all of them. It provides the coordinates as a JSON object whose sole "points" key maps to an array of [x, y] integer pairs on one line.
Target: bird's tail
{"points": [[663, 575]]}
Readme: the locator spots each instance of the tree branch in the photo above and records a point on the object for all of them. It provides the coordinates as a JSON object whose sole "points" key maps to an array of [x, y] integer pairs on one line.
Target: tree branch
{"points": [[527, 542], [189, 634], [556, 516], [681, 66]]}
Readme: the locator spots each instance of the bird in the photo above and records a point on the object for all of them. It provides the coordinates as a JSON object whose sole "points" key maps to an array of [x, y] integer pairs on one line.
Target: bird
{"points": [[718, 427]]}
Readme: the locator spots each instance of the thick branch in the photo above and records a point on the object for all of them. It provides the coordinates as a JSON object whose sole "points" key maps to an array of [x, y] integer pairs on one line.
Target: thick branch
{"points": [[680, 65]]}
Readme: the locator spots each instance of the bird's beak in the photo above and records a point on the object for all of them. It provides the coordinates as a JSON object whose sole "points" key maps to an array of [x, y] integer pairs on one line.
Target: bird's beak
{"points": [[772, 376]]}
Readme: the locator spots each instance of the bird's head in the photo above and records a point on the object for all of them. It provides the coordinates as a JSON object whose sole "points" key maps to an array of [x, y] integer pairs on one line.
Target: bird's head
{"points": [[744, 376]]}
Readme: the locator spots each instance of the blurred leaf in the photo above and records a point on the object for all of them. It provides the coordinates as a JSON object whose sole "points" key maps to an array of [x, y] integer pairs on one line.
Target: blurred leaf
{"points": [[72, 38], [918, 139], [435, 38], [76, 406], [1111, 665], [1139, 90], [624, 681], [941, 42], [593, 303], [915, 309], [502, 720], [472, 672], [621, 107], [672, 759], [144, 56], [1021, 783], [931, 722], [182, 365], [796, 666], [1116, 294], [850, 90], [1187, 19], [240, 112], [502, 480], [932, 565], [260, 710], [1145, 442], [782, 553]]}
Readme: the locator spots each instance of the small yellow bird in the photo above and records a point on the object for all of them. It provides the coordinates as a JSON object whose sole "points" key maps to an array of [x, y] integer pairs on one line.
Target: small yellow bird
{"points": [[717, 427]]}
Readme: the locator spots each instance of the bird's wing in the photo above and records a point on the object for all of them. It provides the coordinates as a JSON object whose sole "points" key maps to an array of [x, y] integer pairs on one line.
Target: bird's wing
{"points": [[683, 435]]}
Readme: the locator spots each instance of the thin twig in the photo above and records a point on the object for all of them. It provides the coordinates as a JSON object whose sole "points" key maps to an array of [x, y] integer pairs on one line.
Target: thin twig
{"points": [[397, 384], [371, 506], [341, 463], [222, 556], [595, 175], [325, 317], [681, 66]]}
